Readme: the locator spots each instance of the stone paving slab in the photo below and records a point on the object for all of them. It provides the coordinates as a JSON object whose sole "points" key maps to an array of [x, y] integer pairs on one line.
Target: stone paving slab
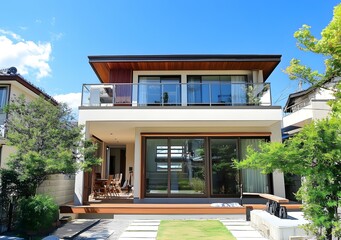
{"points": [[232, 220], [102, 230], [102, 234], [74, 228], [246, 234], [252, 238], [137, 238], [145, 224], [240, 228], [145, 220], [142, 228], [236, 223], [138, 235]]}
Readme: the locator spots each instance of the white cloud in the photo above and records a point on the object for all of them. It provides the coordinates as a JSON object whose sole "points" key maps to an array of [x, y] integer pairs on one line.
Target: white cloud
{"points": [[12, 34], [73, 100], [27, 56]]}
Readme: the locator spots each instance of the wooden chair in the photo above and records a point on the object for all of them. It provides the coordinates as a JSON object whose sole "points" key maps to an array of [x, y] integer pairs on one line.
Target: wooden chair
{"points": [[118, 180], [98, 189]]}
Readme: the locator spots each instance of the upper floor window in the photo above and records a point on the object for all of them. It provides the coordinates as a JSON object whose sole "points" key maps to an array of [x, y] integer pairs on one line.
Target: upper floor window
{"points": [[159, 90], [3, 103], [225, 90], [3, 97]]}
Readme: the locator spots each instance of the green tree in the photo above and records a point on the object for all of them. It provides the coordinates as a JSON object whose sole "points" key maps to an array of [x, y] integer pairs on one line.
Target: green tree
{"points": [[47, 141], [329, 46], [315, 152]]}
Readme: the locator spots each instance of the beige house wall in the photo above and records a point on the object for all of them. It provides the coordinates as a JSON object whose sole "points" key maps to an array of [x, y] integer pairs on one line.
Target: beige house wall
{"points": [[60, 187], [6, 151]]}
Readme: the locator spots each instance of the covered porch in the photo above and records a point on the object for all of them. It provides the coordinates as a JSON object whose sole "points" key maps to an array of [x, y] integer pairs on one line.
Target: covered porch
{"points": [[167, 153]]}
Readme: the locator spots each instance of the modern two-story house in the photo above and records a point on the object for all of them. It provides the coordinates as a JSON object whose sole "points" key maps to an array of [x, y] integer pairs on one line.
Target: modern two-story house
{"points": [[173, 124]]}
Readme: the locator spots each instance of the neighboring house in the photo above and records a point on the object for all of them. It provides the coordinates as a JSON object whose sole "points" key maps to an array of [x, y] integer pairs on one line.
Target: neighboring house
{"points": [[302, 108], [13, 85], [305, 106], [177, 122]]}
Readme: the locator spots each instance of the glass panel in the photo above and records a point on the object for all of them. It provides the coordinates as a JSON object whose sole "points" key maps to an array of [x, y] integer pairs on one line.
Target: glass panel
{"points": [[3, 102], [224, 96], [170, 90], [211, 89], [149, 91], [187, 166], [194, 93], [253, 180], [123, 93], [239, 90], [156, 166], [225, 178]]}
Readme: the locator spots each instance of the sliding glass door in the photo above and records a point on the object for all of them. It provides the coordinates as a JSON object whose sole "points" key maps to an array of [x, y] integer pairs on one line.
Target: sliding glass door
{"points": [[159, 90], [217, 90], [175, 166], [225, 177], [200, 167]]}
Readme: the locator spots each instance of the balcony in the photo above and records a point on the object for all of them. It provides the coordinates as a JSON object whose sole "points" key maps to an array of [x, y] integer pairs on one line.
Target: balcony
{"points": [[179, 94]]}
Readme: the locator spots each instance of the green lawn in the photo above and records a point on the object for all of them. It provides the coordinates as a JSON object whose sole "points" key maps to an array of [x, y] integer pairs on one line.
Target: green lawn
{"points": [[193, 230]]}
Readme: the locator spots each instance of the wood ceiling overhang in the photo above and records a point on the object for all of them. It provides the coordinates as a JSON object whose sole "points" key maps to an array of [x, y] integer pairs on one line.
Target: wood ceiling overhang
{"points": [[103, 64]]}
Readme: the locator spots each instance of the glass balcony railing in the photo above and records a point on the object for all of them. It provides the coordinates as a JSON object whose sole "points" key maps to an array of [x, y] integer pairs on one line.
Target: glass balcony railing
{"points": [[169, 94]]}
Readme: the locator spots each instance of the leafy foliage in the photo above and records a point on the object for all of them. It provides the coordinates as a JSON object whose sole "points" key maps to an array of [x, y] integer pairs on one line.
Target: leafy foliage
{"points": [[47, 139], [329, 46], [37, 213], [315, 152]]}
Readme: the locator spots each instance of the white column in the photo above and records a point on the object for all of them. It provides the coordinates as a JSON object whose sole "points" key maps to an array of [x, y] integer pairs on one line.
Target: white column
{"points": [[79, 177], [137, 164], [277, 176]]}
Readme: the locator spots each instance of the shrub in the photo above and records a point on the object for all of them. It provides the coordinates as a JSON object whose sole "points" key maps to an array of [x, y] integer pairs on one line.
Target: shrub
{"points": [[198, 185], [37, 213]]}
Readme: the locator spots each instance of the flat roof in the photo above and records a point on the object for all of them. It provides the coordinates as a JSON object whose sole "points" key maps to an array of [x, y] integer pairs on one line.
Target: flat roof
{"points": [[104, 63]]}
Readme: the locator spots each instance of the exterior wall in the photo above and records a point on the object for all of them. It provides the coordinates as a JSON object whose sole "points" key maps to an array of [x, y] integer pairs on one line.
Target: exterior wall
{"points": [[321, 109], [60, 187], [120, 76], [240, 114], [18, 89], [6, 151]]}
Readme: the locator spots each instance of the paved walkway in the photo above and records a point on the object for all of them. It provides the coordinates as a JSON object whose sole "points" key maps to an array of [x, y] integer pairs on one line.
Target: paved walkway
{"points": [[145, 229], [242, 230]]}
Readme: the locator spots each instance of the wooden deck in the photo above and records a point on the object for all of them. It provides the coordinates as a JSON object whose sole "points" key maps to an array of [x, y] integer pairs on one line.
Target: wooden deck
{"points": [[164, 209]]}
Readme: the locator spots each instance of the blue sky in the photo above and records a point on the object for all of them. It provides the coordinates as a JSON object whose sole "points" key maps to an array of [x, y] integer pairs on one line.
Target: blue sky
{"points": [[49, 41]]}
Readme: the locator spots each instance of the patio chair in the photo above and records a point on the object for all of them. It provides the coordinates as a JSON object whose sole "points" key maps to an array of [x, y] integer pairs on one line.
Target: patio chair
{"points": [[118, 180], [110, 186]]}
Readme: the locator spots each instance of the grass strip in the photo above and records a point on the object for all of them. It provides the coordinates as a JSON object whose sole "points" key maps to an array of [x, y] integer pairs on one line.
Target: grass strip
{"points": [[193, 230]]}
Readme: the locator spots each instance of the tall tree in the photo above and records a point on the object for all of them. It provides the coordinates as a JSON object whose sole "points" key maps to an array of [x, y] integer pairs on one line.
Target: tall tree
{"points": [[47, 141], [315, 152], [329, 46]]}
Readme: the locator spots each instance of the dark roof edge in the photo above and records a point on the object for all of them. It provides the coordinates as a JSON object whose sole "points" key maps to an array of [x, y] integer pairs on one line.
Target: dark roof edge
{"points": [[185, 57], [27, 84], [304, 92]]}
